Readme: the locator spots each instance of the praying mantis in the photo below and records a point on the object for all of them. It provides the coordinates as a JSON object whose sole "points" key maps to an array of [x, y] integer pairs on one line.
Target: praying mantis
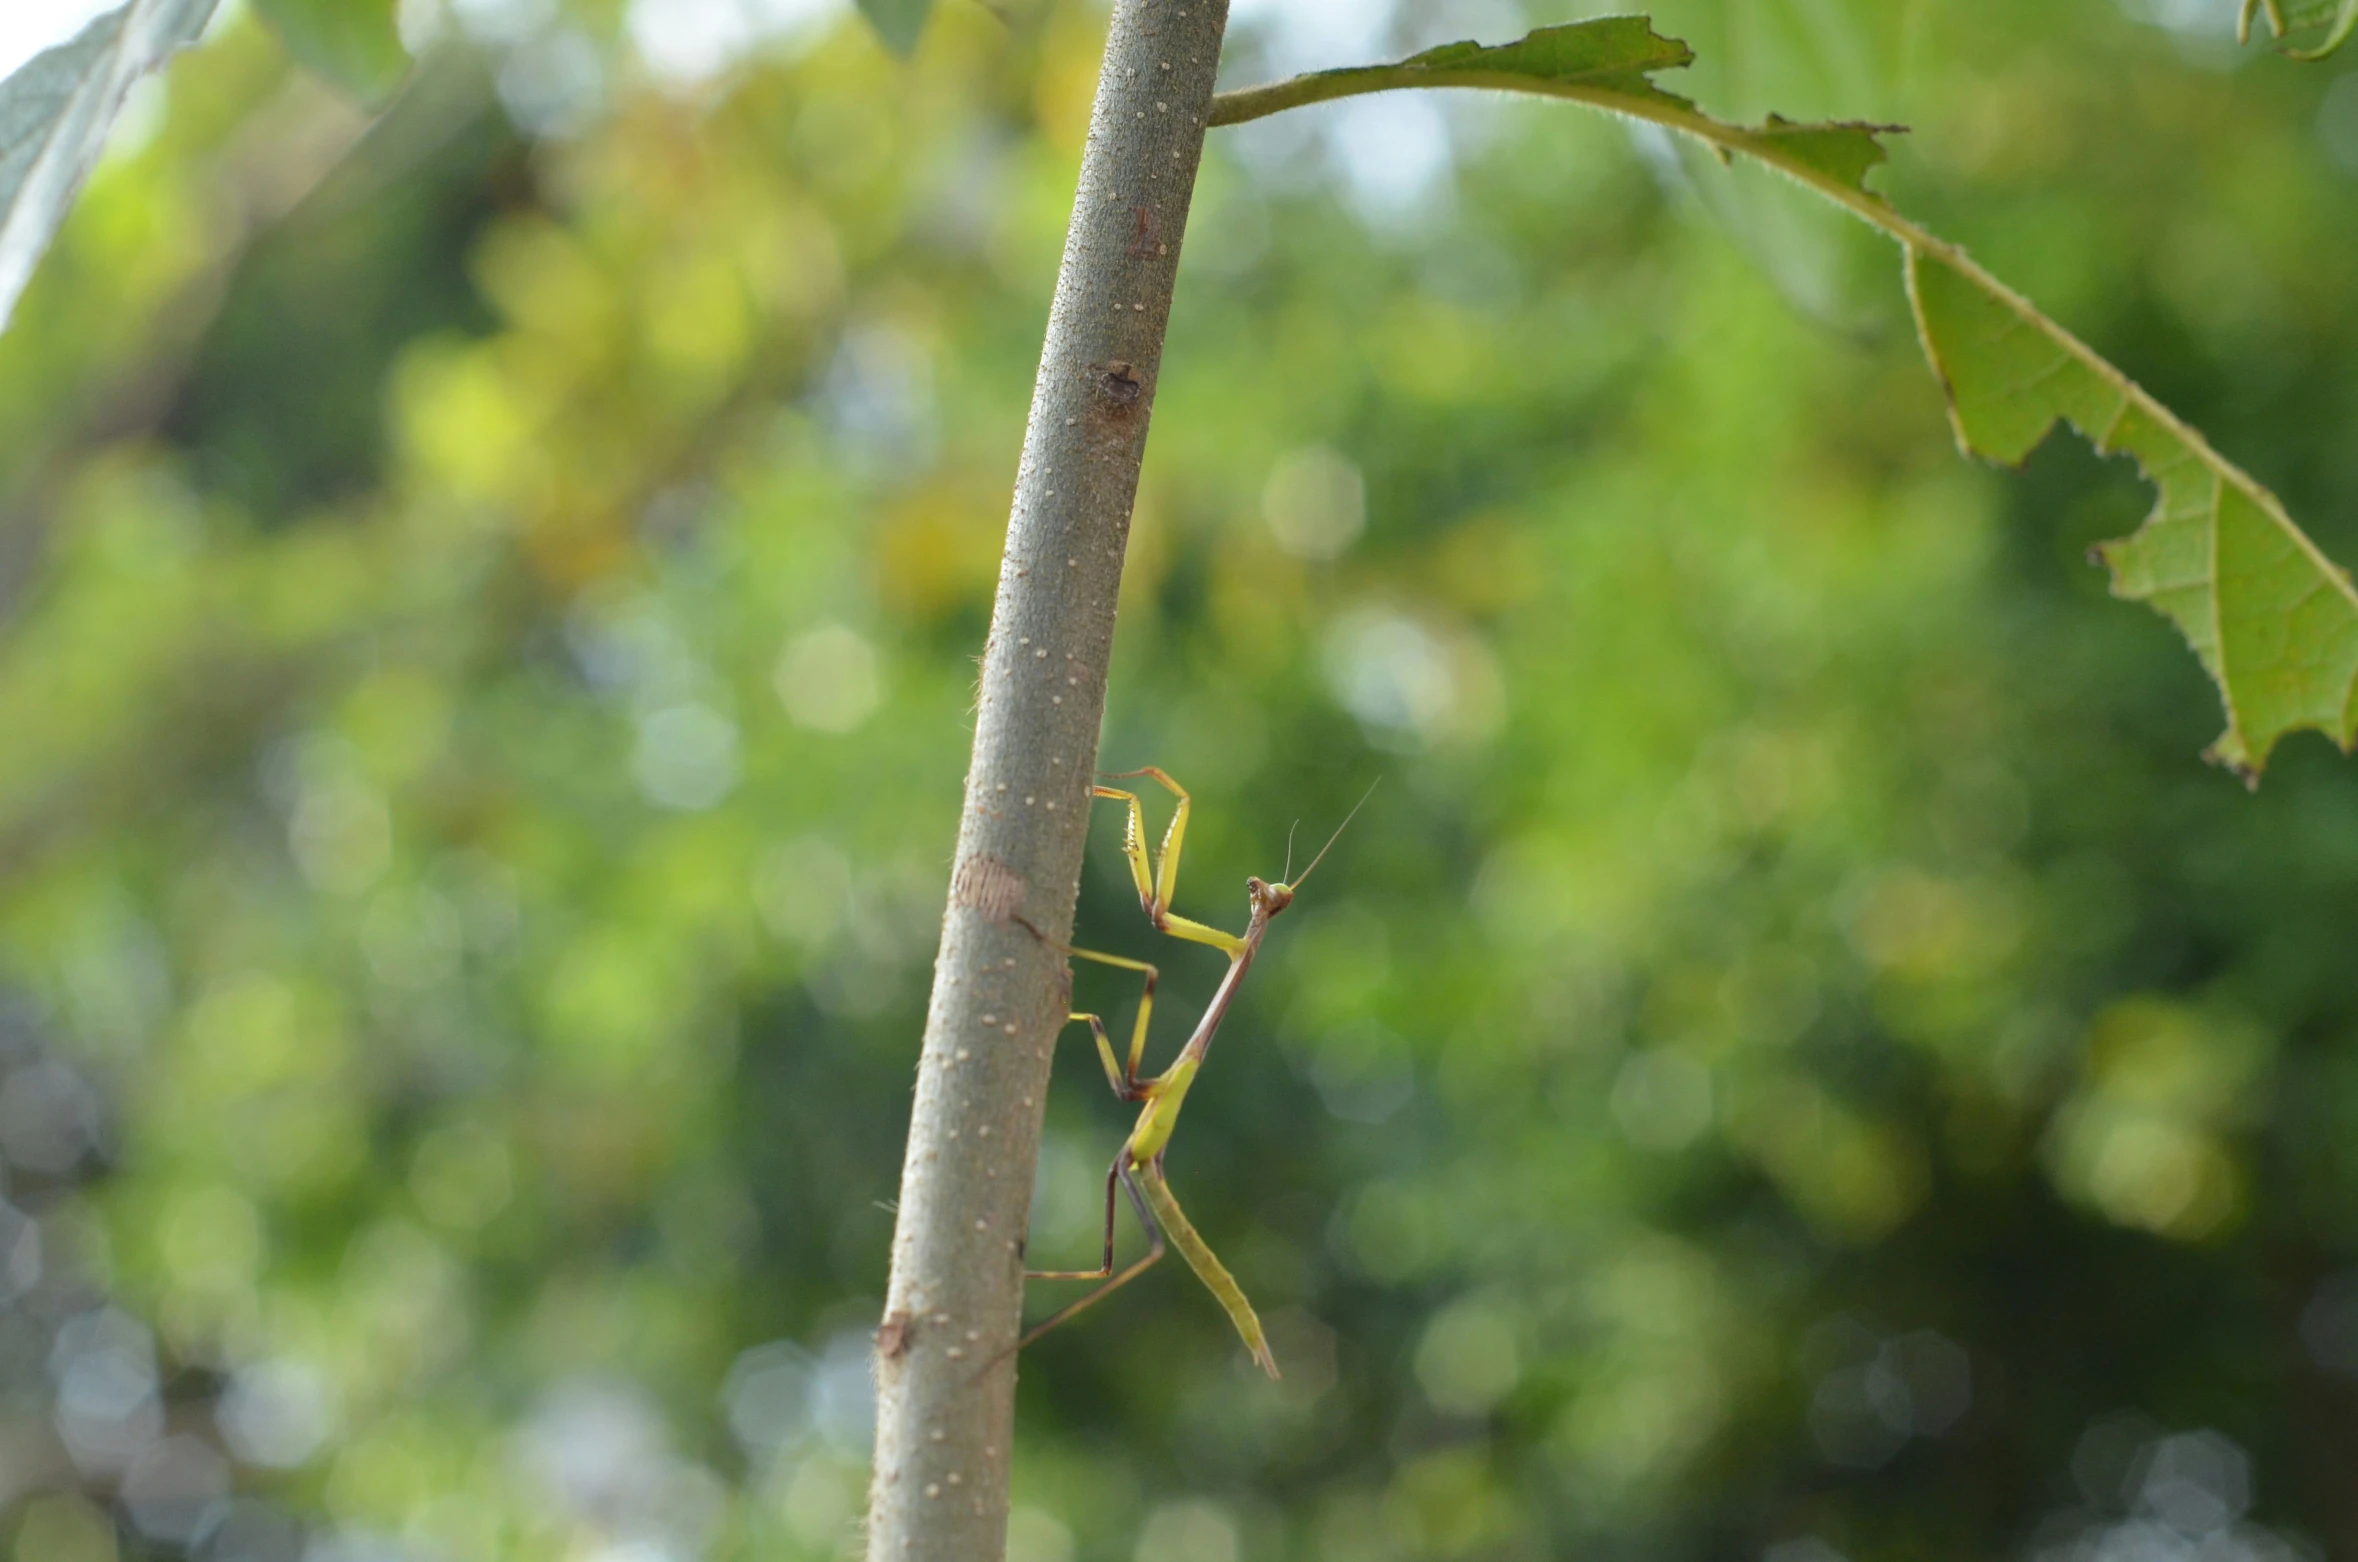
{"points": [[1138, 1167]]}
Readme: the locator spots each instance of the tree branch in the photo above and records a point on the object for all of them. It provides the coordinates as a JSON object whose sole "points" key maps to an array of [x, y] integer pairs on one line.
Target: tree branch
{"points": [[945, 1420]]}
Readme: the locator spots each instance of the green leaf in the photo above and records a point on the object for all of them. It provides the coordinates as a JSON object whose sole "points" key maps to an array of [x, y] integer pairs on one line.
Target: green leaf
{"points": [[1616, 54], [1772, 55], [2274, 622], [1609, 63], [353, 43], [900, 23], [54, 116]]}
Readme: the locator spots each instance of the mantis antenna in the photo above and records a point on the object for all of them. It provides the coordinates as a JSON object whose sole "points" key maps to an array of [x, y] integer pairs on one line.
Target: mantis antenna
{"points": [[1330, 840]]}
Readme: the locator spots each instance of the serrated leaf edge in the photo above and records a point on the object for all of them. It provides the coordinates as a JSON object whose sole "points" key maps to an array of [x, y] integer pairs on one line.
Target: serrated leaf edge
{"points": [[1758, 143]]}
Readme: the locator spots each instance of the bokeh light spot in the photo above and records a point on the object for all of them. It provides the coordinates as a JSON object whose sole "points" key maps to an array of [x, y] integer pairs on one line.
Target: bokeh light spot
{"points": [[1410, 686], [1036, 1535], [460, 1176], [1190, 1531], [685, 757], [768, 1397], [1315, 503], [1662, 1099], [1469, 1360], [828, 679], [172, 1485], [277, 1413], [62, 1527]]}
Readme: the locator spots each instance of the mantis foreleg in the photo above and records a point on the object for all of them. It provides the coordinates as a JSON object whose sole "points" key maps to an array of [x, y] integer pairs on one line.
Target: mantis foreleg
{"points": [[1156, 888]]}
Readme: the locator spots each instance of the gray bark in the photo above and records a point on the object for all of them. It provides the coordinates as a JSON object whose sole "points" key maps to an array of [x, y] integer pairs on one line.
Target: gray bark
{"points": [[945, 1374]]}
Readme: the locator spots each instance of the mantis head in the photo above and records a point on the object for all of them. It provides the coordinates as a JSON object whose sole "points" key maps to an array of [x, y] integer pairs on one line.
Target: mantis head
{"points": [[1269, 899]]}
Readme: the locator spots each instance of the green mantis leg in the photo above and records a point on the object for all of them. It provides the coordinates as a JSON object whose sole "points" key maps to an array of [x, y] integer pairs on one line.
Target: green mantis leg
{"points": [[1122, 1088], [1120, 1176], [1111, 1177], [1156, 888], [1208, 1268], [1123, 1079]]}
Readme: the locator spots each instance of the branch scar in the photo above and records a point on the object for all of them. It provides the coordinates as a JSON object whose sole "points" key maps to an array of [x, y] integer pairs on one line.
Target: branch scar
{"points": [[985, 884]]}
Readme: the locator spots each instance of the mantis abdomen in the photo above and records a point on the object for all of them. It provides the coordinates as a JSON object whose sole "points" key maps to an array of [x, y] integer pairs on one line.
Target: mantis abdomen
{"points": [[1201, 1259]]}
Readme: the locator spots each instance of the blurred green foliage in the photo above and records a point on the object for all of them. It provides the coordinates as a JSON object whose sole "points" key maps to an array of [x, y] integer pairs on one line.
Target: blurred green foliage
{"points": [[1799, 1059], [900, 23], [354, 43]]}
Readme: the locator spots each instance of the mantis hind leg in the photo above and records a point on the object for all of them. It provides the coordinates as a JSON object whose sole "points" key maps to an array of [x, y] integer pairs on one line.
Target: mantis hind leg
{"points": [[1121, 1175], [1111, 1177]]}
